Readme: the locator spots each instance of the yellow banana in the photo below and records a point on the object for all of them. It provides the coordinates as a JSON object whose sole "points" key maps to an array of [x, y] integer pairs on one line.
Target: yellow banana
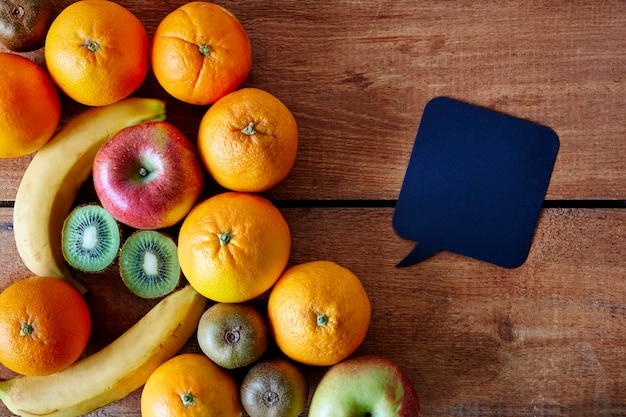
{"points": [[57, 171], [115, 371]]}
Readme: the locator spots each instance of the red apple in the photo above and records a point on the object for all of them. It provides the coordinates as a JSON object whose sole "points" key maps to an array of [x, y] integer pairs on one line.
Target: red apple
{"points": [[148, 176], [365, 386]]}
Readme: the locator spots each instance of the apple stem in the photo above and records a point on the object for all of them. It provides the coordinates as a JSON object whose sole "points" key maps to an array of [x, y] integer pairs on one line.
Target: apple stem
{"points": [[187, 399], [143, 171]]}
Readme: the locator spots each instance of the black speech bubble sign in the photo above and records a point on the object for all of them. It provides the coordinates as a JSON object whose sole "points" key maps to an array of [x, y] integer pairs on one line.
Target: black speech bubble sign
{"points": [[475, 184]]}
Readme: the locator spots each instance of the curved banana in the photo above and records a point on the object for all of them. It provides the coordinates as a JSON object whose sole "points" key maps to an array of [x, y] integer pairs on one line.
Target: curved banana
{"points": [[115, 371], [55, 174]]}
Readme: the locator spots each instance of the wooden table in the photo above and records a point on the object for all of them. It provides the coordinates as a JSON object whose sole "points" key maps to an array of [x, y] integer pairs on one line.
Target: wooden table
{"points": [[546, 338]]}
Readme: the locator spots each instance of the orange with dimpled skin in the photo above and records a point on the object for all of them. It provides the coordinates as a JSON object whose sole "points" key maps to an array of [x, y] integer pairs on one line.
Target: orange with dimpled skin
{"points": [[248, 140], [190, 385], [30, 108], [319, 313], [97, 52], [200, 52], [232, 247], [44, 325]]}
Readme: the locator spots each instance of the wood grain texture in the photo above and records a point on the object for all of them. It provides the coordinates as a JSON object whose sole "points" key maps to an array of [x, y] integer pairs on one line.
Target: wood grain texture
{"points": [[475, 339], [545, 339], [357, 75]]}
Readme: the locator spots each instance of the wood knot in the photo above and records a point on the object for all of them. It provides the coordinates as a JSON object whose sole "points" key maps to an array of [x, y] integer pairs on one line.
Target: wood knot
{"points": [[505, 330], [357, 78]]}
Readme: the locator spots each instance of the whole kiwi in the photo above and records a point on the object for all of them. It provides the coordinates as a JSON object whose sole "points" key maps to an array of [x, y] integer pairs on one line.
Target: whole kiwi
{"points": [[233, 335], [24, 24], [274, 388]]}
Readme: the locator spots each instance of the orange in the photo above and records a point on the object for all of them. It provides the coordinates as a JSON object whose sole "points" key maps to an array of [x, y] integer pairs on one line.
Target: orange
{"points": [[200, 52], [232, 247], [30, 109], [319, 313], [248, 140], [97, 52], [190, 385], [44, 325]]}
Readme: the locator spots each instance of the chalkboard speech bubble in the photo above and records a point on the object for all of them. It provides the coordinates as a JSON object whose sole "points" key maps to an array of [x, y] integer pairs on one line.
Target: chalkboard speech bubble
{"points": [[475, 184]]}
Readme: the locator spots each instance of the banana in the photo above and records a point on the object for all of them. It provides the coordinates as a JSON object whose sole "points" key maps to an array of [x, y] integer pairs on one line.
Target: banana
{"points": [[55, 174], [115, 371]]}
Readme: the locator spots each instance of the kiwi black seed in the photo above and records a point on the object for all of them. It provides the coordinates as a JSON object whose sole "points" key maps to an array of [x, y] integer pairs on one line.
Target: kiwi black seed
{"points": [[149, 264], [90, 238]]}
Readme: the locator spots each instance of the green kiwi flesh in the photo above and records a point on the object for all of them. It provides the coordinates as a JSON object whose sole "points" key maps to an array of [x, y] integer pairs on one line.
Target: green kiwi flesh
{"points": [[149, 264], [90, 238]]}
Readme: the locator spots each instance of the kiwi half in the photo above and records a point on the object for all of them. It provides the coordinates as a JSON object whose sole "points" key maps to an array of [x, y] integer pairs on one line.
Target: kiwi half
{"points": [[90, 238], [149, 264]]}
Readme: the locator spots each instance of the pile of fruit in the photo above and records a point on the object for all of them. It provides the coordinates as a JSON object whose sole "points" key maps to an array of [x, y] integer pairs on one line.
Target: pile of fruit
{"points": [[229, 249]]}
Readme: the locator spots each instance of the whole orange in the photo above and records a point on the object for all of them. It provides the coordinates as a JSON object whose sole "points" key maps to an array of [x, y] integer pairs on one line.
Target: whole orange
{"points": [[319, 313], [248, 140], [190, 385], [232, 247], [30, 108], [200, 52], [44, 325], [97, 52]]}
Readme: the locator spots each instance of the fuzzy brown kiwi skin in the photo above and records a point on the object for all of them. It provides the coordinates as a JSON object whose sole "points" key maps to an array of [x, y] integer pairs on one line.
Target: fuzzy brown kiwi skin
{"points": [[24, 24], [274, 388], [233, 335]]}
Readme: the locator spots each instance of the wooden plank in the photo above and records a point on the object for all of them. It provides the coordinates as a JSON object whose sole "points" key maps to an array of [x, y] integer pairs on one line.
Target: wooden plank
{"points": [[475, 339], [357, 75]]}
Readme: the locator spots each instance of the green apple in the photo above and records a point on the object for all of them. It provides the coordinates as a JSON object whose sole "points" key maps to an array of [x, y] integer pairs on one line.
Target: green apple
{"points": [[370, 386]]}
